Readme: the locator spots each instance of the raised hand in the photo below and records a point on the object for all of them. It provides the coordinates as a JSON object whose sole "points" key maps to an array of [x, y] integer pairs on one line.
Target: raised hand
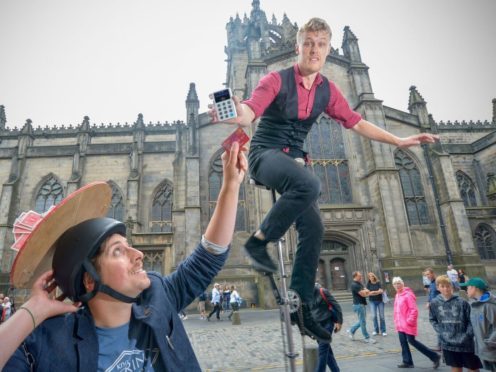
{"points": [[42, 302], [418, 139], [234, 164]]}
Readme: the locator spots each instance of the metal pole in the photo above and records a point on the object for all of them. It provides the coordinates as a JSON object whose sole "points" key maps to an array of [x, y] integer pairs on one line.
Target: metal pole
{"points": [[291, 354]]}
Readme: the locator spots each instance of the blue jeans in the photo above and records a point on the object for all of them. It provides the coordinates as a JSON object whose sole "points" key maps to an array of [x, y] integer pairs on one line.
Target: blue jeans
{"points": [[406, 339], [378, 306], [326, 355], [299, 189], [361, 312]]}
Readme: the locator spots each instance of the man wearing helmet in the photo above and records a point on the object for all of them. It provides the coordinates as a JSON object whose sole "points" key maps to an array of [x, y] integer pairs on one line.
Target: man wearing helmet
{"points": [[129, 317]]}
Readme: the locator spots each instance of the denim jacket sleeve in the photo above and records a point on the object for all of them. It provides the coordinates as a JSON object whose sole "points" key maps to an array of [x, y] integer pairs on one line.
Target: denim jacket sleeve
{"points": [[193, 276]]}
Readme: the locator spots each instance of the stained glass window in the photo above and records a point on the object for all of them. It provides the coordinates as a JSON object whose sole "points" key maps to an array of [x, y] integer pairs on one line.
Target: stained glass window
{"points": [[162, 209], [214, 184], [413, 191], [329, 163], [50, 193], [467, 189], [485, 242], [116, 209]]}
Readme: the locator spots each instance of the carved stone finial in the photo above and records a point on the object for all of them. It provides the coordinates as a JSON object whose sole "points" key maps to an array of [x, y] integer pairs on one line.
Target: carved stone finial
{"points": [[415, 98], [3, 117], [192, 96], [139, 122]]}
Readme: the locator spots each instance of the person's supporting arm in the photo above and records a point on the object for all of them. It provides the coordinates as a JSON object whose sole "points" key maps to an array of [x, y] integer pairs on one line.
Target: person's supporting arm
{"points": [[220, 229], [39, 307], [373, 132]]}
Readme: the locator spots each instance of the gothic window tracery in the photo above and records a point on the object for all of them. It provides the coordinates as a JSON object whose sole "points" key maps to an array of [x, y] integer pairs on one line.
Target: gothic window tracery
{"points": [[413, 191], [50, 193], [116, 208], [214, 185], [485, 241], [467, 189], [154, 261], [161, 220], [329, 163]]}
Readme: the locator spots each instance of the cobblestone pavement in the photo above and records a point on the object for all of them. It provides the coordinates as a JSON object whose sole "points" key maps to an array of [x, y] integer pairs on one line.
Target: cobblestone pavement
{"points": [[256, 344]]}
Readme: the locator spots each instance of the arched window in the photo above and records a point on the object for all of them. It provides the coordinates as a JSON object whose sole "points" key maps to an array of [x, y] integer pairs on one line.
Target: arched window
{"points": [[116, 209], [50, 193], [467, 189], [162, 209], [485, 241], [214, 184], [326, 148], [413, 192], [154, 261]]}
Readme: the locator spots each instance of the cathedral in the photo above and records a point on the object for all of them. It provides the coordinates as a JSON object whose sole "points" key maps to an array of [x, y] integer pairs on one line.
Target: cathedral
{"points": [[390, 211]]}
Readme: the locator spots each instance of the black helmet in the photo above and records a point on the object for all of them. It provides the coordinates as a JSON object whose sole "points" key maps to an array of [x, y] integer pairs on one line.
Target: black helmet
{"points": [[73, 253]]}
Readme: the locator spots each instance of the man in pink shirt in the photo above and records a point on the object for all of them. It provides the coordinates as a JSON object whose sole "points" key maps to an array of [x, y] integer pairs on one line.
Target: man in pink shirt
{"points": [[288, 102]]}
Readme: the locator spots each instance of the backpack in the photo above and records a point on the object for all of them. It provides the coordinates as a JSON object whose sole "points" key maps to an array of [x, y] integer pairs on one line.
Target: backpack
{"points": [[331, 309]]}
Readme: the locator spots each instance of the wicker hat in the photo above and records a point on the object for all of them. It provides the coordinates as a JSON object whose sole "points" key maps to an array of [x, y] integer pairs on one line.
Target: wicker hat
{"points": [[35, 256]]}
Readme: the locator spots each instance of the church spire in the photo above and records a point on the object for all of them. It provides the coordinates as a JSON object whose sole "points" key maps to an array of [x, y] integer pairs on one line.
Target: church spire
{"points": [[350, 46], [417, 106], [3, 117]]}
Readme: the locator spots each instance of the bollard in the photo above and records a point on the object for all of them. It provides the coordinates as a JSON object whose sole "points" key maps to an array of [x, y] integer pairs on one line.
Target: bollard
{"points": [[310, 356], [236, 319]]}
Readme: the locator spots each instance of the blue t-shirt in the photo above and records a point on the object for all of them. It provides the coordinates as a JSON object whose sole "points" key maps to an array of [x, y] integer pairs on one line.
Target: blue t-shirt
{"points": [[117, 351]]}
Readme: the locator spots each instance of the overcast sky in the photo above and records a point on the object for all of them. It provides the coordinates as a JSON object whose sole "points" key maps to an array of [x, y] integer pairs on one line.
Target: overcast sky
{"points": [[112, 59]]}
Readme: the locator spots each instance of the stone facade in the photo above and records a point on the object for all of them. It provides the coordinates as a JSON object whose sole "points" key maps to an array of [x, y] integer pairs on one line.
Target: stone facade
{"points": [[374, 226]]}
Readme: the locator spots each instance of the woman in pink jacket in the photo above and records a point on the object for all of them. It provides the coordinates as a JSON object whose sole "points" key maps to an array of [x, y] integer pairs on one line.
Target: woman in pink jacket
{"points": [[405, 320]]}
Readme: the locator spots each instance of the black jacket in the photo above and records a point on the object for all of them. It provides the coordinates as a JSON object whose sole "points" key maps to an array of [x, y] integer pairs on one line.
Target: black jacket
{"points": [[320, 309]]}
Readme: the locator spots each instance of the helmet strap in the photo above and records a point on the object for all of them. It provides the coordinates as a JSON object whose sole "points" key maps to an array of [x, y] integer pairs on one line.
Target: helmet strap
{"points": [[99, 287]]}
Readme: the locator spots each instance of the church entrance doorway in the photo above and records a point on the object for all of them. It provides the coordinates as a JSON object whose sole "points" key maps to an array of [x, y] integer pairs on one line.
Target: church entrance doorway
{"points": [[338, 274]]}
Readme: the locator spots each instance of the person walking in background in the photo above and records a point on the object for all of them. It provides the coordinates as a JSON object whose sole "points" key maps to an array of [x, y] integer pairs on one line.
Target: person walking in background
{"points": [[433, 292], [462, 277], [235, 301], [6, 309], [376, 304], [216, 302], [426, 283], [405, 321], [226, 298], [453, 275], [327, 311], [201, 304], [483, 319], [359, 294]]}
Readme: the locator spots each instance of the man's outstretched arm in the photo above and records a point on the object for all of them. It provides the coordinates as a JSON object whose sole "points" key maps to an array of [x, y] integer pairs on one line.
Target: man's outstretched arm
{"points": [[373, 132]]}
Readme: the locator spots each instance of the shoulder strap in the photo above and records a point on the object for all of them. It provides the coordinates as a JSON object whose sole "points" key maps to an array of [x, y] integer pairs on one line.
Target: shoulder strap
{"points": [[322, 294]]}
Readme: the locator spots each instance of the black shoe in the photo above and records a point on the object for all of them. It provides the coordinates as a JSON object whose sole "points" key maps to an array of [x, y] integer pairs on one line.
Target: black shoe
{"points": [[310, 327], [436, 362], [257, 250], [404, 365], [208, 319]]}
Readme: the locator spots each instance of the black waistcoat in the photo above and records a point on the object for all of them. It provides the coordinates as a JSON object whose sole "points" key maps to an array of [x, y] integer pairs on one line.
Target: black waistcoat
{"points": [[279, 125]]}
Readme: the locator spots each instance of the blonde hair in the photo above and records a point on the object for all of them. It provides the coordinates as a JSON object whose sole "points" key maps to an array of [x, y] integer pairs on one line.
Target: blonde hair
{"points": [[443, 279], [314, 25], [376, 279], [397, 279]]}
